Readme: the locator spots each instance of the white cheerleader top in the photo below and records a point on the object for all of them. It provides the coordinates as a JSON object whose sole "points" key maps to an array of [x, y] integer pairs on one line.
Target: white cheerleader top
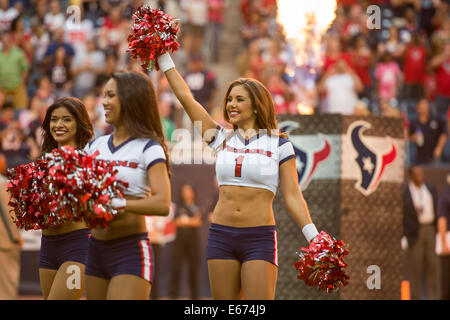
{"points": [[252, 162], [132, 158]]}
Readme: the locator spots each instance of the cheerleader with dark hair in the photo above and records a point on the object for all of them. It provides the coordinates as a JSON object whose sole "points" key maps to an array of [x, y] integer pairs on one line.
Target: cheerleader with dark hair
{"points": [[120, 260], [64, 248]]}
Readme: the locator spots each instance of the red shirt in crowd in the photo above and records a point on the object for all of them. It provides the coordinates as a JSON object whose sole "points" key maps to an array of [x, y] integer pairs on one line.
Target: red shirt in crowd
{"points": [[361, 64], [346, 3], [216, 10], [414, 67], [429, 83], [443, 79], [330, 61]]}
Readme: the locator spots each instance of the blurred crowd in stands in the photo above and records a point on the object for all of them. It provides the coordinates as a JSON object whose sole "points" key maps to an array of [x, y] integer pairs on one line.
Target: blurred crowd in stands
{"points": [[51, 49], [399, 68]]}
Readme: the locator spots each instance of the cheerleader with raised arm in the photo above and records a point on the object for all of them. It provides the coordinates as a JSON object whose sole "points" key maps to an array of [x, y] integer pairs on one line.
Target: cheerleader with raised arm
{"points": [[252, 159]]}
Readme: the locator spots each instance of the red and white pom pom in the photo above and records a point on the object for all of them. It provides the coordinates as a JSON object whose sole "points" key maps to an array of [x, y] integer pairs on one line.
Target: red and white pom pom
{"points": [[65, 185], [85, 184], [33, 202], [153, 33], [322, 263]]}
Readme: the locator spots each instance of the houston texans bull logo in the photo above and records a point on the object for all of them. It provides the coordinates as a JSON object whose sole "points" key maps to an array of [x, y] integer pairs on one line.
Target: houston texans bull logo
{"points": [[372, 164], [307, 159]]}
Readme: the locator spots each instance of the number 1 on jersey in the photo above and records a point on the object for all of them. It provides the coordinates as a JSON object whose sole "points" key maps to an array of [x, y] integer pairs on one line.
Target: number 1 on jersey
{"points": [[238, 168]]}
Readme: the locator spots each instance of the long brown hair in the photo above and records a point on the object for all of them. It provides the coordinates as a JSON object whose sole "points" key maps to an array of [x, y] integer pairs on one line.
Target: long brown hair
{"points": [[85, 129], [261, 101], [139, 112]]}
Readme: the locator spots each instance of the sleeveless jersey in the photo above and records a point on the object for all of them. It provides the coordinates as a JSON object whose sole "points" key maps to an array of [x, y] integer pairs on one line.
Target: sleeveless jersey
{"points": [[251, 163], [132, 158]]}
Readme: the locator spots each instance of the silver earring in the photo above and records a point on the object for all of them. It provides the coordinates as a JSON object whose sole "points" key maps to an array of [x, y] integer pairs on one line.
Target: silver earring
{"points": [[255, 112]]}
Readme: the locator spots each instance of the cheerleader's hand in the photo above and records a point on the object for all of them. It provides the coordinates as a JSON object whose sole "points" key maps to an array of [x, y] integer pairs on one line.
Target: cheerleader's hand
{"points": [[119, 203]]}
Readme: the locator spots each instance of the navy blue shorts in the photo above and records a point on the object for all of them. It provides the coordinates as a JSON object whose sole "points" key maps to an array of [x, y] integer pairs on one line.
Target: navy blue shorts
{"points": [[71, 246], [243, 244], [131, 254]]}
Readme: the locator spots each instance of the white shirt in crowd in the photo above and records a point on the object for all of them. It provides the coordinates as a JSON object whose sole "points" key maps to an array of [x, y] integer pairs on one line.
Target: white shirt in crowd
{"points": [[54, 21], [6, 17], [195, 12], [423, 202], [341, 94]]}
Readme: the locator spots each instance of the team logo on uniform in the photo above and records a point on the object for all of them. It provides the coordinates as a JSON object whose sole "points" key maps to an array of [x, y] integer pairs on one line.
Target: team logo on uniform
{"points": [[371, 163], [307, 159]]}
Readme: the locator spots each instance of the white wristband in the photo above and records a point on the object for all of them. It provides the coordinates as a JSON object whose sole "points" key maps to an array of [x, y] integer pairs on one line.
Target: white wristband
{"points": [[118, 203], [310, 231], [165, 62]]}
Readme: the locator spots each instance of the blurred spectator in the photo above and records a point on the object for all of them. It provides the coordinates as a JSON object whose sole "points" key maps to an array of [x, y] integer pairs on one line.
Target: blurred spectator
{"points": [[429, 84], [201, 81], [6, 115], [355, 24], [55, 18], [387, 110], [414, 69], [443, 236], [38, 12], [341, 86], [411, 27], [86, 65], [334, 53], [31, 120], [175, 111], [22, 37], [110, 68], [106, 5], [96, 114], [419, 228], [428, 133], [362, 59], [195, 21], [13, 72], [393, 46], [114, 31], [399, 8], [44, 94], [441, 65], [168, 126], [10, 244], [40, 40], [59, 73], [426, 13], [17, 148], [281, 94], [186, 245], [58, 41], [361, 109], [249, 29], [78, 30], [439, 37], [250, 62], [7, 14], [388, 76], [216, 13]]}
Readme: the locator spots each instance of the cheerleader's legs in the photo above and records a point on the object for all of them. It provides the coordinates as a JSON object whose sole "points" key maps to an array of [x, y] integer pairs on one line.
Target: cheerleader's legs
{"points": [[225, 278], [128, 287], [120, 287], [258, 280], [96, 288], [66, 283]]}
